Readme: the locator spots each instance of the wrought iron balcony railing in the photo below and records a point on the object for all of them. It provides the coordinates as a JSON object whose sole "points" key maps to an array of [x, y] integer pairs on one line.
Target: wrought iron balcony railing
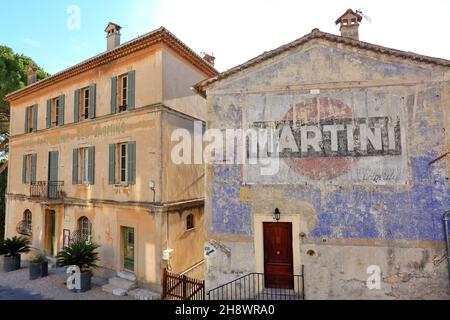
{"points": [[24, 228], [47, 189]]}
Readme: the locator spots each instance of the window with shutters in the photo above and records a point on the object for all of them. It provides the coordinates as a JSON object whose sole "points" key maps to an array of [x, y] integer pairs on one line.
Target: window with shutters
{"points": [[84, 105], [29, 119], [83, 165], [55, 112], [122, 163], [28, 159], [122, 89], [121, 171]]}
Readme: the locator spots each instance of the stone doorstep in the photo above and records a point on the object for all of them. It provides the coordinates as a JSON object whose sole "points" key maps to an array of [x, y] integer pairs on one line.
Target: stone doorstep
{"points": [[127, 275], [122, 283], [114, 290], [142, 294]]}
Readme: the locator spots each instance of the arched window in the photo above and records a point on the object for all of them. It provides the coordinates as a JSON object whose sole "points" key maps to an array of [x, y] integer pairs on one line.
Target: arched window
{"points": [[27, 219], [190, 221], [85, 227]]}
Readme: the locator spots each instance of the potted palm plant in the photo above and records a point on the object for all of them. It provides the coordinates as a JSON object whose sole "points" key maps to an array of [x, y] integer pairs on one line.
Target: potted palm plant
{"points": [[38, 266], [11, 248], [82, 254]]}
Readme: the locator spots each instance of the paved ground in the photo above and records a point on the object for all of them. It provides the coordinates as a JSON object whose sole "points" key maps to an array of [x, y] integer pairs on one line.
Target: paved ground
{"points": [[16, 285]]}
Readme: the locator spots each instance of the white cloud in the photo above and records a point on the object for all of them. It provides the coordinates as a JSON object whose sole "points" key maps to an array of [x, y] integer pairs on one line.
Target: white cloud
{"points": [[30, 42]]}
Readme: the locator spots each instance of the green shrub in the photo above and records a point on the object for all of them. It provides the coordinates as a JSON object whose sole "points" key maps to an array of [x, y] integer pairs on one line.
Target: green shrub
{"points": [[81, 254], [13, 246], [39, 258]]}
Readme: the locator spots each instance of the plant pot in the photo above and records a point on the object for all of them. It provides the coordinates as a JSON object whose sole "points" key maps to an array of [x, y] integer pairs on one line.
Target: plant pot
{"points": [[85, 282], [11, 263], [38, 270]]}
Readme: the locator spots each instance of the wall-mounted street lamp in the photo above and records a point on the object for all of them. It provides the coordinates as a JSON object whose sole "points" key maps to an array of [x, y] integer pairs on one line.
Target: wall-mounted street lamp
{"points": [[277, 214], [151, 185]]}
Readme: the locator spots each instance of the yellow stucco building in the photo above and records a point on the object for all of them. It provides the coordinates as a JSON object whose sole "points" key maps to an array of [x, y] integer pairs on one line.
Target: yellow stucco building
{"points": [[90, 157]]}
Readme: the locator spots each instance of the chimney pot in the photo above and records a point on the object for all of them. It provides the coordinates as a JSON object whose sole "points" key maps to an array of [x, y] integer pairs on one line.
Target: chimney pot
{"points": [[31, 75], [112, 36], [349, 24], [209, 58]]}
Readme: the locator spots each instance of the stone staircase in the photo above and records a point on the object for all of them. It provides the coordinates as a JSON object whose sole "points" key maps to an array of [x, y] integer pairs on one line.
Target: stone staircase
{"points": [[125, 284], [121, 284]]}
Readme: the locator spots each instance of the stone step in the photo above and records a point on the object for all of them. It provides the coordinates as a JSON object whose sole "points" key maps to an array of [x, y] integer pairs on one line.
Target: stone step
{"points": [[142, 294], [122, 283], [114, 290], [127, 275]]}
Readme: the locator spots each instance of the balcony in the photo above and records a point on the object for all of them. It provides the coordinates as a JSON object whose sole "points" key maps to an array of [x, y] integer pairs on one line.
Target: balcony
{"points": [[24, 228], [47, 189]]}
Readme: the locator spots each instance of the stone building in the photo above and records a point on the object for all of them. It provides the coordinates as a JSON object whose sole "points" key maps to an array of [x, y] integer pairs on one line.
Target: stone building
{"points": [[89, 157], [361, 178]]}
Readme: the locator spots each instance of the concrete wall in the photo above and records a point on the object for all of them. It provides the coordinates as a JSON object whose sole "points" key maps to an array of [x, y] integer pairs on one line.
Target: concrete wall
{"points": [[348, 211]]}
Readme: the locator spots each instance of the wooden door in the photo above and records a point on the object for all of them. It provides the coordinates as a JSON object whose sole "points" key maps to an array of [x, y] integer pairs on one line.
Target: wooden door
{"points": [[50, 224], [278, 258]]}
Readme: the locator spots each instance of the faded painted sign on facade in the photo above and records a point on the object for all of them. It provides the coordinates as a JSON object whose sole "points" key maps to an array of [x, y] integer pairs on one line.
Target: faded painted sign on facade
{"points": [[335, 136]]}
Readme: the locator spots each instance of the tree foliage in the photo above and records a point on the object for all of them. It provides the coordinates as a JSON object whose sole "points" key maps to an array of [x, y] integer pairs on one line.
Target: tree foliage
{"points": [[13, 76]]}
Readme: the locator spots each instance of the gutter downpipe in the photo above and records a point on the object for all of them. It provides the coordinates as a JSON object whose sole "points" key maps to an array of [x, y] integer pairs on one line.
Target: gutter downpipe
{"points": [[447, 239]]}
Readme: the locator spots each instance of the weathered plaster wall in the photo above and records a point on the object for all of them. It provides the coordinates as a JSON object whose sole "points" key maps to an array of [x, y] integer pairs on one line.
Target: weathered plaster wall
{"points": [[187, 244], [184, 181], [148, 90], [403, 215], [178, 78]]}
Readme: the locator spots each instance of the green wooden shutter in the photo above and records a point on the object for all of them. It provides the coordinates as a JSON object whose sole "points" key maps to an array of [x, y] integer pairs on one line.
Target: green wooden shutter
{"points": [[35, 115], [92, 102], [26, 120], [113, 94], [76, 105], [53, 166], [49, 113], [112, 162], [24, 169], [61, 110], [131, 162], [33, 167], [75, 166], [91, 162], [131, 90]]}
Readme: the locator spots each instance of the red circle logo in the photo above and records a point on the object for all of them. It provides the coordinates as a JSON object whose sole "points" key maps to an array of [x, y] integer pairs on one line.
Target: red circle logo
{"points": [[312, 111]]}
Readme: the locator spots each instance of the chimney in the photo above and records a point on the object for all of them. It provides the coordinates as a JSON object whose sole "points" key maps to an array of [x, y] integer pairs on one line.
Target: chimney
{"points": [[209, 58], [349, 24], [31, 75], [112, 36]]}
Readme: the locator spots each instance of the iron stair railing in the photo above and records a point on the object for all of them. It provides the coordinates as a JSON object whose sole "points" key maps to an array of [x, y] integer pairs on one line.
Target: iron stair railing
{"points": [[253, 286]]}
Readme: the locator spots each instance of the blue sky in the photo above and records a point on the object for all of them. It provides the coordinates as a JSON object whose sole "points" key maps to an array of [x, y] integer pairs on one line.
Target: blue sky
{"points": [[233, 30]]}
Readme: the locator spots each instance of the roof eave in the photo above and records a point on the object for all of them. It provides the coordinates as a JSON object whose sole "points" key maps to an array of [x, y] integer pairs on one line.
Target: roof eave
{"points": [[160, 35]]}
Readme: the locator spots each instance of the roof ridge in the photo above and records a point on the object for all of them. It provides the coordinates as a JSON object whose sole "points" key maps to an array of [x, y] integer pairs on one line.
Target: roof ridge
{"points": [[317, 34], [161, 31]]}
